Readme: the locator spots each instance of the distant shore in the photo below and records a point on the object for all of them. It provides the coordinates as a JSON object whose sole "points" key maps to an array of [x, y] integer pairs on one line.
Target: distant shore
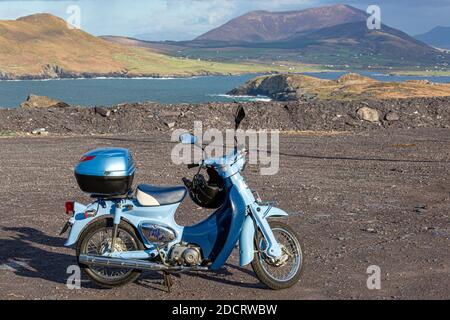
{"points": [[111, 78], [120, 75], [85, 76]]}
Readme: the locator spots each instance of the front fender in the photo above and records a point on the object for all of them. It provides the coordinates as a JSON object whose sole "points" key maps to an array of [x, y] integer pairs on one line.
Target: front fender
{"points": [[273, 212]]}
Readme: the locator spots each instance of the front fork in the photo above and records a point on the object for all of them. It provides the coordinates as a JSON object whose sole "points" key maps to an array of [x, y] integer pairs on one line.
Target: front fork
{"points": [[257, 218], [273, 248]]}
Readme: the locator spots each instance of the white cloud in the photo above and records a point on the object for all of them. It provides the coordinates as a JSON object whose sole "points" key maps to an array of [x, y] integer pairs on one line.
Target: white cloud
{"points": [[186, 19]]}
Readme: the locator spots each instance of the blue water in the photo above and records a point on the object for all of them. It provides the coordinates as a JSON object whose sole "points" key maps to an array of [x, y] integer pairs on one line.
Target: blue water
{"points": [[89, 92]]}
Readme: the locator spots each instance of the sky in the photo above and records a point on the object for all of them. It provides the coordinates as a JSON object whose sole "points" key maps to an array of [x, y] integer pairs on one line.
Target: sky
{"points": [[187, 19]]}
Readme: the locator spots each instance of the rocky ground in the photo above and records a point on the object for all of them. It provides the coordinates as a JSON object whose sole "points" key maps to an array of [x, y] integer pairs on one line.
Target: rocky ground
{"points": [[367, 198], [288, 116]]}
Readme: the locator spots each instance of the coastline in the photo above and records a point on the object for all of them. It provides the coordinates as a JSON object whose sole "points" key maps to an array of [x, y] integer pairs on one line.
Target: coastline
{"points": [[156, 76], [101, 76], [114, 78]]}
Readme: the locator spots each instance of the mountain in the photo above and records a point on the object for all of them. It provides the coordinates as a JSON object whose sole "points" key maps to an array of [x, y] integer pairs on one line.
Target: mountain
{"points": [[336, 36], [42, 46], [438, 37], [354, 43], [261, 26]]}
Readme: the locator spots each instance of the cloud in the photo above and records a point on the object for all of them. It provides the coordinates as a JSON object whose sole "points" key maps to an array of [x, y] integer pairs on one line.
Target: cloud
{"points": [[186, 19]]}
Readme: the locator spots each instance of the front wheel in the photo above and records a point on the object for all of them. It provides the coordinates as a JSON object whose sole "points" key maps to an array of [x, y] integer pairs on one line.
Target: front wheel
{"points": [[284, 272]]}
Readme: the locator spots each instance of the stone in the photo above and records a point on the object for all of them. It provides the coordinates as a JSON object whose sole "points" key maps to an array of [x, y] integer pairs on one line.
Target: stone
{"points": [[368, 114], [103, 112], [170, 114], [35, 101], [421, 208], [392, 116], [40, 131], [170, 125]]}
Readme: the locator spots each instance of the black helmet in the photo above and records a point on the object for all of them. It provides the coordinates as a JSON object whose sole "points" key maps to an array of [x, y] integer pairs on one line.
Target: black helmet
{"points": [[207, 194]]}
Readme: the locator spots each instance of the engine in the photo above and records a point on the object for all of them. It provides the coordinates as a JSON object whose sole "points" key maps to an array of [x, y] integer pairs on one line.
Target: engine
{"points": [[185, 255]]}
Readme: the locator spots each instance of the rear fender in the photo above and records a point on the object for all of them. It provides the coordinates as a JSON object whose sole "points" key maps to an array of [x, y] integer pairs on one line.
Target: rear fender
{"points": [[79, 222]]}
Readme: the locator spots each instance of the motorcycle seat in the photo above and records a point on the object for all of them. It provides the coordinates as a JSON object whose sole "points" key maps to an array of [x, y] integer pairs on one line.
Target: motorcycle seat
{"points": [[153, 196]]}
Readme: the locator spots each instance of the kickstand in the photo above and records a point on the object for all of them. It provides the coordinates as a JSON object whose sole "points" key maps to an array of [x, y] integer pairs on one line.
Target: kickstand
{"points": [[168, 281]]}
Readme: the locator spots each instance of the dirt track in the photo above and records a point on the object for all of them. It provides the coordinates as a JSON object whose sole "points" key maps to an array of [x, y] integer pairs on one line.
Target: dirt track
{"points": [[380, 198]]}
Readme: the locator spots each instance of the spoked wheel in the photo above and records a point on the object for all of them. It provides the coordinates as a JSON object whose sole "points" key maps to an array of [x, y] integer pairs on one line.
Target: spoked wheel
{"points": [[97, 240], [284, 272]]}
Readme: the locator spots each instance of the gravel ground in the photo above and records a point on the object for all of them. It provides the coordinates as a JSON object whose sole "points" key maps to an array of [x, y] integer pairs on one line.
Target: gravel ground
{"points": [[369, 198]]}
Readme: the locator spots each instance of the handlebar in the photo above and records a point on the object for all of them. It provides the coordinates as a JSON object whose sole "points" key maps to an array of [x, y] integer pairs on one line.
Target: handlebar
{"points": [[230, 159]]}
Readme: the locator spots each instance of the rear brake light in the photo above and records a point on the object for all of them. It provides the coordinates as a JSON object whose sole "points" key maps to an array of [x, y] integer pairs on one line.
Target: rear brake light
{"points": [[70, 207], [87, 158]]}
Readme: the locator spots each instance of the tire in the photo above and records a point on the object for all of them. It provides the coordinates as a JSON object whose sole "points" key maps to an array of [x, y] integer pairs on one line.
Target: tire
{"points": [[259, 261], [93, 272]]}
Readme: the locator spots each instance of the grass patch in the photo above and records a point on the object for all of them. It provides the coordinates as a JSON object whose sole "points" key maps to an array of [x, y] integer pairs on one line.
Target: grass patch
{"points": [[422, 73], [8, 133], [142, 61]]}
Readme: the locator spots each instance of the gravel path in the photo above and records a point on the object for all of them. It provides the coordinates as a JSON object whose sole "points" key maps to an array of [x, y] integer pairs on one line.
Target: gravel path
{"points": [[372, 198]]}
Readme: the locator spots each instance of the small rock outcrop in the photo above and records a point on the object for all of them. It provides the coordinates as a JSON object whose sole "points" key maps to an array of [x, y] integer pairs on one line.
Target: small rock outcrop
{"points": [[52, 71], [281, 87], [35, 101], [276, 87]]}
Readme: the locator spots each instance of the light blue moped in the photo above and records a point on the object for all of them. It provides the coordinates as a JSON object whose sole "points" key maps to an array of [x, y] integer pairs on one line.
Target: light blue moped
{"points": [[121, 233]]}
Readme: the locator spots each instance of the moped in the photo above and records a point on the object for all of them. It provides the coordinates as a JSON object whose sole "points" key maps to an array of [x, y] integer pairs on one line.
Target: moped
{"points": [[123, 232]]}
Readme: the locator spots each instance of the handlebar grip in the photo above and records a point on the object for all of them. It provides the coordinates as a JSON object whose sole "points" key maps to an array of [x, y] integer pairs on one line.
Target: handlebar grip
{"points": [[193, 165]]}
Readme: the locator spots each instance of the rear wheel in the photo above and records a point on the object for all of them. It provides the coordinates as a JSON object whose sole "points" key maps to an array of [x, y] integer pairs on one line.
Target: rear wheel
{"points": [[284, 272], [97, 240]]}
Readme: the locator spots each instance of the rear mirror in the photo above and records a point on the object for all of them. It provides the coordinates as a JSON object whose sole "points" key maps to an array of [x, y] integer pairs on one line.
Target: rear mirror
{"points": [[187, 138], [240, 115]]}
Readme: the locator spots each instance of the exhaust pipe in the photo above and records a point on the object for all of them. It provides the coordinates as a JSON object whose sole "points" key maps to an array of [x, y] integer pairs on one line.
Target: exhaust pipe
{"points": [[132, 264]]}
